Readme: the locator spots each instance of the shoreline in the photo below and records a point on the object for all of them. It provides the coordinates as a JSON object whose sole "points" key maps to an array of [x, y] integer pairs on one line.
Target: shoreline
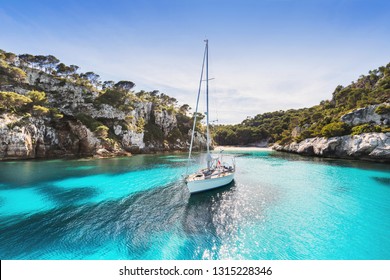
{"points": [[370, 146], [242, 148], [124, 155]]}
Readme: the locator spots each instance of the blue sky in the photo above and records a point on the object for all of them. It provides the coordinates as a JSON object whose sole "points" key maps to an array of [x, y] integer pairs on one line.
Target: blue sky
{"points": [[265, 55]]}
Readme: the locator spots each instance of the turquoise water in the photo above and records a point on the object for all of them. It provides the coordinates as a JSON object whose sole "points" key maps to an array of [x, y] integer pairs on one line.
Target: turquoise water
{"points": [[280, 206]]}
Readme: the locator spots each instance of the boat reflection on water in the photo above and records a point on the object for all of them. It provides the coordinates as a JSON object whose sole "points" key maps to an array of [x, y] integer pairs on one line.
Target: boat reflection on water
{"points": [[203, 208]]}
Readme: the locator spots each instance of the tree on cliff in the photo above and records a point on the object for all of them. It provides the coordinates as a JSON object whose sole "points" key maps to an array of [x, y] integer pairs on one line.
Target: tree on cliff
{"points": [[92, 77], [320, 120], [51, 63], [26, 60], [124, 85], [64, 70], [82, 99], [108, 85]]}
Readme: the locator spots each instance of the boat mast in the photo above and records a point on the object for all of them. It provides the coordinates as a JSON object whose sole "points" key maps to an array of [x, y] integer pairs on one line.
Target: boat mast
{"points": [[196, 109], [207, 106]]}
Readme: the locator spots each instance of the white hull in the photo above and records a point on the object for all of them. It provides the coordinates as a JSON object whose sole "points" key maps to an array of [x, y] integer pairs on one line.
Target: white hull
{"points": [[201, 185]]}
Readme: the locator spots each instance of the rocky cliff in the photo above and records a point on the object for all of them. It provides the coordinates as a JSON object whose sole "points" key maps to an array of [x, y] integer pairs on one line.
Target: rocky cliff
{"points": [[28, 138], [361, 107], [47, 115], [367, 146], [368, 114]]}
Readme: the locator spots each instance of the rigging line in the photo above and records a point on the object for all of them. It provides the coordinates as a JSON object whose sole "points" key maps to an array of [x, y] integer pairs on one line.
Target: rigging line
{"points": [[196, 110], [207, 106], [214, 100]]}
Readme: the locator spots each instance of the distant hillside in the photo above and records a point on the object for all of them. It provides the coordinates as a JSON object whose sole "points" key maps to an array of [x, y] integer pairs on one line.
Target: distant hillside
{"points": [[49, 109], [330, 118]]}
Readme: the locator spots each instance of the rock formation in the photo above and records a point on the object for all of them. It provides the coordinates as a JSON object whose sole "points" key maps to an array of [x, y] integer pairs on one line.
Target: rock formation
{"points": [[366, 115], [367, 146], [87, 126]]}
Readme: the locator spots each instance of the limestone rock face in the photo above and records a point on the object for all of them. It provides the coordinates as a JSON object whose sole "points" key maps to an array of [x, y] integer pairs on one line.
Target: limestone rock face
{"points": [[84, 141], [118, 130], [366, 115], [16, 144], [20, 138], [165, 120], [133, 141], [87, 127], [34, 138], [106, 112], [200, 140], [369, 146], [143, 110], [69, 98]]}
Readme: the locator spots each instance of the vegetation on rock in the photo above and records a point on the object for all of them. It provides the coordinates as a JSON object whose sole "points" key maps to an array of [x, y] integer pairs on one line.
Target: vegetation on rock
{"points": [[320, 120], [80, 113], [61, 102]]}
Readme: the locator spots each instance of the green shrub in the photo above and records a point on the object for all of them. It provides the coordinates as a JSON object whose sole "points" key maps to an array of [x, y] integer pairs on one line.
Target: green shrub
{"points": [[286, 140], [26, 115], [365, 128], [17, 74], [140, 125], [37, 97], [55, 113], [129, 119], [58, 116], [153, 133], [383, 109], [40, 110], [335, 129], [111, 142], [113, 97], [102, 131], [171, 110], [13, 102], [88, 121], [174, 134]]}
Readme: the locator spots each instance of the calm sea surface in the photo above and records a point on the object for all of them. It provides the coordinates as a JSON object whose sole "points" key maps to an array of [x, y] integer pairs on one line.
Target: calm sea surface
{"points": [[279, 207]]}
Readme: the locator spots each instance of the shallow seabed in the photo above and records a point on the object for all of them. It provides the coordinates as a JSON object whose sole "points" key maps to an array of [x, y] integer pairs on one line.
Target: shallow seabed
{"points": [[280, 206]]}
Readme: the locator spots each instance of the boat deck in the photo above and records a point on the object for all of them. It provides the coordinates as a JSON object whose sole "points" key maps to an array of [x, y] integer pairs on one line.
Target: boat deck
{"points": [[210, 174]]}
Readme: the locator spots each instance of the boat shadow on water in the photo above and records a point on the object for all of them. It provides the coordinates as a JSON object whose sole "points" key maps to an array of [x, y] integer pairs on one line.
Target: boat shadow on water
{"points": [[207, 212], [202, 208], [213, 222], [172, 209]]}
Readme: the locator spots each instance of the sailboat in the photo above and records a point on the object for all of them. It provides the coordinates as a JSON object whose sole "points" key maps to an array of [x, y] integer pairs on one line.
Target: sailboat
{"points": [[217, 173]]}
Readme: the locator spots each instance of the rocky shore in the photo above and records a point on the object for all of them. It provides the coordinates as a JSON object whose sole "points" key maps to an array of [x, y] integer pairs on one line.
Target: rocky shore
{"points": [[140, 127], [366, 146], [50, 110], [40, 138]]}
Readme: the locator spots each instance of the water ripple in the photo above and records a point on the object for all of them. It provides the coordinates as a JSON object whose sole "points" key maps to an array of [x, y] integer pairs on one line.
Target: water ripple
{"points": [[139, 208]]}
